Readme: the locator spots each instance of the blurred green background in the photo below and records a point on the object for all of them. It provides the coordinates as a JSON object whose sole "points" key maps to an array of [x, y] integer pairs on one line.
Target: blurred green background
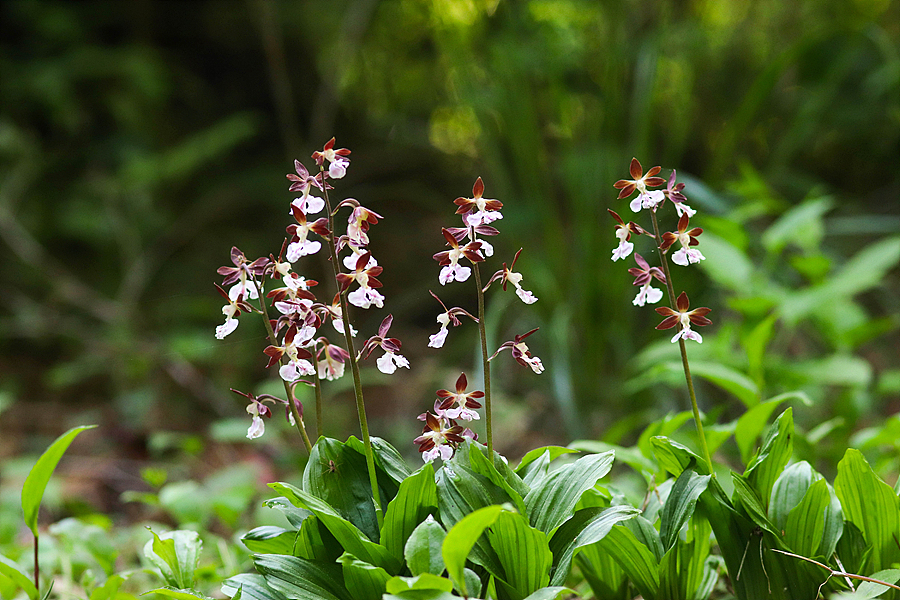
{"points": [[140, 140]]}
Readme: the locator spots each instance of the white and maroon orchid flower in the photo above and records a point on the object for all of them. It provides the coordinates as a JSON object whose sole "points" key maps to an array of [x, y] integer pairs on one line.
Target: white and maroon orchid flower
{"points": [[507, 275], [449, 259], [688, 237], [477, 210], [521, 353], [643, 274], [459, 404], [640, 183], [684, 318]]}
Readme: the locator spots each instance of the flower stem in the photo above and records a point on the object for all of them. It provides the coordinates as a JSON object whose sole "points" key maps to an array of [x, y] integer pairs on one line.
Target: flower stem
{"points": [[298, 418], [320, 429], [354, 365], [485, 361], [663, 258]]}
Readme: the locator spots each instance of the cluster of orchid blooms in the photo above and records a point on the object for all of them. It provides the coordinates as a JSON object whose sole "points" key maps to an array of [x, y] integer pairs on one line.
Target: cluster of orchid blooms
{"points": [[296, 342], [688, 254]]}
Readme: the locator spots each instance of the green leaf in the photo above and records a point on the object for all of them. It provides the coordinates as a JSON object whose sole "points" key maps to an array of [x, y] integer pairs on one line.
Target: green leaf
{"points": [[386, 457], [523, 551], [586, 527], [301, 579], [553, 499], [755, 344], [802, 224], [269, 539], [747, 497], [362, 580], [179, 594], [423, 548], [482, 466], [350, 538], [666, 426], [675, 457], [415, 500], [554, 452], [19, 579], [462, 537], [635, 559], [730, 380], [549, 593], [460, 492], [788, 491], [806, 522], [176, 554], [751, 424], [252, 586], [726, 264], [870, 589], [36, 482], [684, 571], [775, 453], [315, 542], [679, 507], [631, 456], [425, 581], [871, 505], [338, 475]]}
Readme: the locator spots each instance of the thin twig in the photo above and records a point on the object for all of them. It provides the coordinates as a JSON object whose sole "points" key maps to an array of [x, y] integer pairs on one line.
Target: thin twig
{"points": [[833, 573]]}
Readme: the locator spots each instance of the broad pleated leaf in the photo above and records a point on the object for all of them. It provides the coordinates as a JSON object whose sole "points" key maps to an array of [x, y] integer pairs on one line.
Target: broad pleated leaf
{"points": [[500, 475], [788, 491], [769, 462], [679, 507], [338, 475], [350, 538], [586, 527], [253, 587], [635, 559], [301, 579], [362, 580], [550, 593], [36, 482], [423, 549], [176, 554], [675, 457], [684, 572], [425, 581], [871, 505], [553, 453], [461, 539], [745, 496], [552, 500], [460, 492], [523, 551], [387, 459], [806, 522], [269, 539], [169, 592], [415, 500], [751, 424], [20, 579]]}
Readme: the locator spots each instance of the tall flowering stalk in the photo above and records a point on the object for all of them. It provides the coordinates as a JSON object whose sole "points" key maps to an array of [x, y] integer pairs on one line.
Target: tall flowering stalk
{"points": [[295, 340], [677, 313], [441, 433]]}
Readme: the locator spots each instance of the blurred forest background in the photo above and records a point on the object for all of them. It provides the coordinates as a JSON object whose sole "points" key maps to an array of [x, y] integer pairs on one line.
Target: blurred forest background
{"points": [[140, 140]]}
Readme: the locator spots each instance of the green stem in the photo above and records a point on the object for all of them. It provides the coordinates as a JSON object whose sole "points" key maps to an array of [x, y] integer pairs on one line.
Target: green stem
{"points": [[298, 419], [354, 365], [485, 362], [37, 568], [320, 429], [663, 257]]}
